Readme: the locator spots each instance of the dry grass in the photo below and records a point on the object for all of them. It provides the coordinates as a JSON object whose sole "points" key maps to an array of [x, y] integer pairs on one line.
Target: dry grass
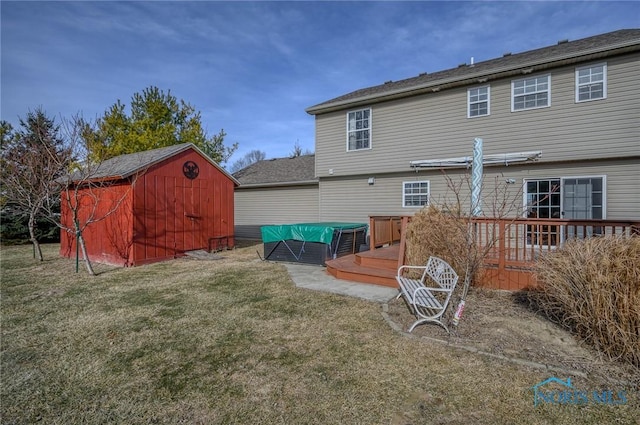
{"points": [[593, 288], [233, 341]]}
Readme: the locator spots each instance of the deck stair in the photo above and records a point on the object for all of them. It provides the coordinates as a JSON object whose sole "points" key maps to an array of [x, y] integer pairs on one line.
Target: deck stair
{"points": [[377, 267]]}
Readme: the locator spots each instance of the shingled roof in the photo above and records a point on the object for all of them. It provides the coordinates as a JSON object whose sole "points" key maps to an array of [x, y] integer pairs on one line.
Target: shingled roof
{"points": [[123, 166], [563, 53], [299, 170]]}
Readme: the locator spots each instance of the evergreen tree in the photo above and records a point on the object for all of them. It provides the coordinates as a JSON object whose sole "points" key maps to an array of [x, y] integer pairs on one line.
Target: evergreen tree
{"points": [[157, 120], [32, 159]]}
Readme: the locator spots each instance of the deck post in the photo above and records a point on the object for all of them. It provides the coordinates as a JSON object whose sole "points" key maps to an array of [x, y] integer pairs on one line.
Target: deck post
{"points": [[372, 233], [403, 239], [502, 253]]}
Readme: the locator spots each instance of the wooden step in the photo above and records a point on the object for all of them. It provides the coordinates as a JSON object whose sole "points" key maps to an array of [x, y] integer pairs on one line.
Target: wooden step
{"points": [[382, 258], [347, 268]]}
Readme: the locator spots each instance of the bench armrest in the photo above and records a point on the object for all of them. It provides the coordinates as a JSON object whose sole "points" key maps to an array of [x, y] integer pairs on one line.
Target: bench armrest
{"points": [[402, 268]]}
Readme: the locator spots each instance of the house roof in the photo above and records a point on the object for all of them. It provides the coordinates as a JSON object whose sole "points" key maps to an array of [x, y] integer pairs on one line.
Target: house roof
{"points": [[123, 166], [563, 53], [299, 170]]}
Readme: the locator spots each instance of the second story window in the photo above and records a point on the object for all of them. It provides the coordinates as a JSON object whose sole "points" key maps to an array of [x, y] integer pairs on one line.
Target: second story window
{"points": [[530, 93], [478, 102], [591, 82], [359, 130]]}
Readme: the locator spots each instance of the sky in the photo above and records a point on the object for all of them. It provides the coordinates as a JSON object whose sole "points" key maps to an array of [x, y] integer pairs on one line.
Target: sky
{"points": [[252, 68]]}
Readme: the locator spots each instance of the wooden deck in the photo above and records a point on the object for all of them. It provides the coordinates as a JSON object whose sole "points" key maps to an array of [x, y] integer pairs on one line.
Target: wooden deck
{"points": [[376, 266], [510, 264]]}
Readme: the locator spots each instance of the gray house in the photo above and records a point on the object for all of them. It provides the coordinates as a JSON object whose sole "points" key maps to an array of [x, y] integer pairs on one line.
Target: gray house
{"points": [[573, 108], [275, 191]]}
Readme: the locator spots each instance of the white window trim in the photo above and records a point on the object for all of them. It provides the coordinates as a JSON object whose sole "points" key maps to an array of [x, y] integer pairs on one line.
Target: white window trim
{"points": [[488, 101], [513, 97], [370, 130], [604, 82], [525, 207], [404, 205]]}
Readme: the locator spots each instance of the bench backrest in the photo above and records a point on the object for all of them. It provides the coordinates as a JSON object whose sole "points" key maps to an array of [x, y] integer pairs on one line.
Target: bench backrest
{"points": [[441, 272]]}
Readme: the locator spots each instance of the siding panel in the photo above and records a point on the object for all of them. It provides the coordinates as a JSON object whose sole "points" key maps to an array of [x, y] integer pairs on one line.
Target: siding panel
{"points": [[352, 199], [276, 205], [436, 125]]}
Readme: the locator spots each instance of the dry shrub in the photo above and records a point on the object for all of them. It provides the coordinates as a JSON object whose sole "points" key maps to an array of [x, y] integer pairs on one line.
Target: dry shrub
{"points": [[445, 234], [592, 287]]}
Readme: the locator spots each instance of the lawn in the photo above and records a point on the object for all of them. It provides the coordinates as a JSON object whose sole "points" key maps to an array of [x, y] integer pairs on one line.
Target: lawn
{"points": [[233, 341]]}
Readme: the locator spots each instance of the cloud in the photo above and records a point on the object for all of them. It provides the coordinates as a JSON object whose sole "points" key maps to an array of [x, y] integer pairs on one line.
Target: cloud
{"points": [[253, 67]]}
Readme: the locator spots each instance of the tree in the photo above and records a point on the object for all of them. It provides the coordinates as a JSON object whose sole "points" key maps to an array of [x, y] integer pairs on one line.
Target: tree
{"points": [[448, 228], [297, 150], [249, 158], [32, 160], [157, 120], [86, 196]]}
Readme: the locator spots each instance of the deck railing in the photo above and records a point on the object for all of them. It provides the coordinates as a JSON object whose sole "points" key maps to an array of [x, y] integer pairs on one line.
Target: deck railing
{"points": [[511, 244], [517, 242], [384, 230]]}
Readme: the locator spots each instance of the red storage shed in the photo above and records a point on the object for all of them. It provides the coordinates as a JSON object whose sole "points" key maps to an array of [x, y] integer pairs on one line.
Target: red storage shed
{"points": [[152, 206]]}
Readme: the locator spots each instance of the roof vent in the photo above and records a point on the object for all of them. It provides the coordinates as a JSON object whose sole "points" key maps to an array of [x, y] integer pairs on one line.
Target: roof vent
{"points": [[506, 54], [566, 40], [421, 74], [388, 82], [462, 65]]}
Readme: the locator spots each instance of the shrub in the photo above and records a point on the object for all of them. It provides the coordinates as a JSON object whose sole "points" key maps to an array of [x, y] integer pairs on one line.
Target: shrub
{"points": [[14, 230], [433, 231], [592, 287]]}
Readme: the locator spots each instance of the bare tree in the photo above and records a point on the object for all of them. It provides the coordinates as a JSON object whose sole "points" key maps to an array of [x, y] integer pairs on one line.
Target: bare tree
{"points": [[297, 150], [249, 159], [448, 228], [32, 160], [88, 193]]}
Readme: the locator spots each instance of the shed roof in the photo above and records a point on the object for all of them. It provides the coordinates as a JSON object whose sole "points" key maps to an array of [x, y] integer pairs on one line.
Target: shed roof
{"points": [[563, 53], [299, 170], [123, 166]]}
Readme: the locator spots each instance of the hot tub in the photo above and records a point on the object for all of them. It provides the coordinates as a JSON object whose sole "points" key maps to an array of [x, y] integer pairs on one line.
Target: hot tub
{"points": [[312, 243]]}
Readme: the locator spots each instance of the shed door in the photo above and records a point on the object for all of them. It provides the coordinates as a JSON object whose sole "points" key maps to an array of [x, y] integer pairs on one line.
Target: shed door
{"points": [[190, 197]]}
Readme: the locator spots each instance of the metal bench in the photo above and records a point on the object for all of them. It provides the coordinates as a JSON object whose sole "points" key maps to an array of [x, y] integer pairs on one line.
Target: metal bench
{"points": [[427, 301]]}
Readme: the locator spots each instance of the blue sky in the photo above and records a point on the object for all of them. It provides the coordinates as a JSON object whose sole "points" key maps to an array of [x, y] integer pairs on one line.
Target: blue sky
{"points": [[252, 68]]}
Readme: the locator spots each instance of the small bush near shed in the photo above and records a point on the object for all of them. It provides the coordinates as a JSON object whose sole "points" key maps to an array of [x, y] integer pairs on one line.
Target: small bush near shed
{"points": [[592, 287]]}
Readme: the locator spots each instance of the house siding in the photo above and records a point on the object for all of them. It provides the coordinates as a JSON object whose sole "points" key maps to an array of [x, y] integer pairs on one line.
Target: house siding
{"points": [[277, 205], [352, 199], [436, 126]]}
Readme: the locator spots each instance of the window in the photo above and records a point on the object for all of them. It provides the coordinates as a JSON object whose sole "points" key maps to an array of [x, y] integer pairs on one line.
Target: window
{"points": [[415, 194], [478, 102], [543, 198], [575, 198], [359, 130], [530, 93], [591, 83]]}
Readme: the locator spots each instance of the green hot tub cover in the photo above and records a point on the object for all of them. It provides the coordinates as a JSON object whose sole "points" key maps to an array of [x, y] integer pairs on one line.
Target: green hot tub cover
{"points": [[308, 232]]}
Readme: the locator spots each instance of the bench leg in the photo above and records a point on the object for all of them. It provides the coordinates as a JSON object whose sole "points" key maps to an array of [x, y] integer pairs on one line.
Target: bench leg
{"points": [[419, 322]]}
